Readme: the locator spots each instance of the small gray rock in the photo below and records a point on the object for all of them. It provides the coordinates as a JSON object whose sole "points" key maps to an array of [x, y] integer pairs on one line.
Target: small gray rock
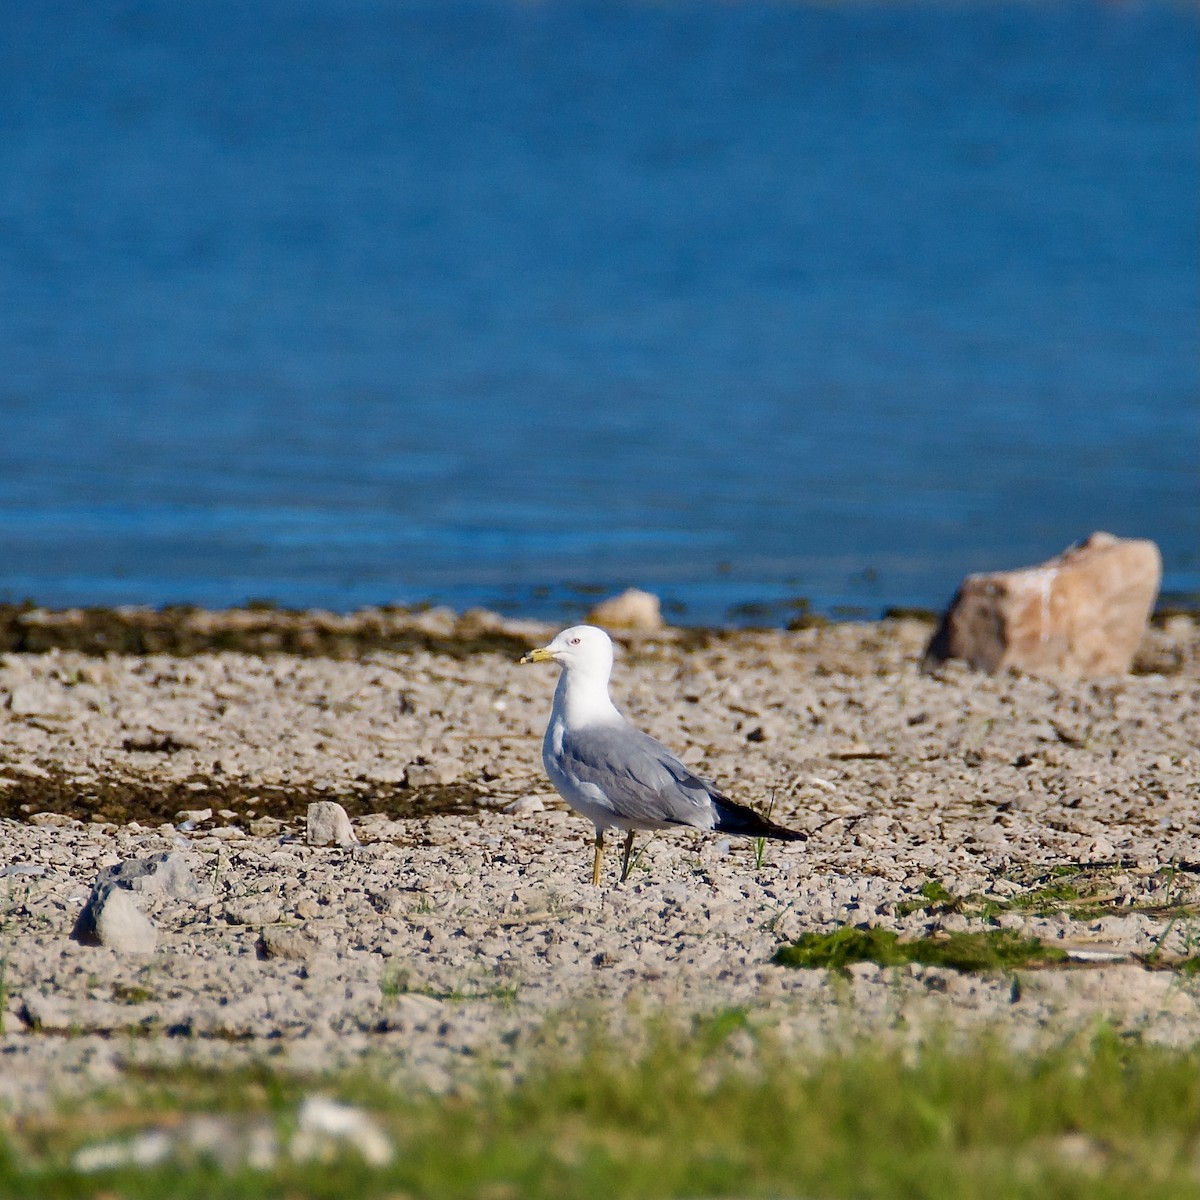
{"points": [[288, 943], [429, 774], [166, 874], [253, 910], [328, 825]]}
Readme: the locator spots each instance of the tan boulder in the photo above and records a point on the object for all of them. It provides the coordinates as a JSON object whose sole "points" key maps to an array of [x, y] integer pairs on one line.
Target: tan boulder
{"points": [[1082, 614], [632, 609]]}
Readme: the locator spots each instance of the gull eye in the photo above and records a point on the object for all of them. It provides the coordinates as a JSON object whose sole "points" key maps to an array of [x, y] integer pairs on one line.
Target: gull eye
{"points": [[575, 641]]}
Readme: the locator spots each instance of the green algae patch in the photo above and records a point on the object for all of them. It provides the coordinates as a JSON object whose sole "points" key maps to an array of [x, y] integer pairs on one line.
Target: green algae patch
{"points": [[976, 951]]}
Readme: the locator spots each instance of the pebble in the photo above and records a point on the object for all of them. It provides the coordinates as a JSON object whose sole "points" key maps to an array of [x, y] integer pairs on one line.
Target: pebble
{"points": [[297, 945], [253, 911], [429, 774]]}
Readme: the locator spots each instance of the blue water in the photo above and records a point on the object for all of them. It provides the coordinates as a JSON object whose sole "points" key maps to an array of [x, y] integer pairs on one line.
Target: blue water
{"points": [[351, 302]]}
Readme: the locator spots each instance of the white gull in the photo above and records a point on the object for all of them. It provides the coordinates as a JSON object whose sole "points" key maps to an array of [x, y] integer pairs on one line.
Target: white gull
{"points": [[615, 775]]}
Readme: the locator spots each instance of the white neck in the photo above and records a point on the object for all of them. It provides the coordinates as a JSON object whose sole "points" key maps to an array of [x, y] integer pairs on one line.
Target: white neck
{"points": [[581, 698]]}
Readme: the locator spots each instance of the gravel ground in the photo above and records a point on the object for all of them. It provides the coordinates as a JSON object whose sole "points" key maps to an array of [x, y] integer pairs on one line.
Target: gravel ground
{"points": [[465, 917]]}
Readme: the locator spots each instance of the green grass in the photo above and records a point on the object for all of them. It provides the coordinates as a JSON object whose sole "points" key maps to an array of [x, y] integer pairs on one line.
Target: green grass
{"points": [[1081, 892], [716, 1111], [933, 898], [980, 950], [760, 843], [132, 993], [396, 983]]}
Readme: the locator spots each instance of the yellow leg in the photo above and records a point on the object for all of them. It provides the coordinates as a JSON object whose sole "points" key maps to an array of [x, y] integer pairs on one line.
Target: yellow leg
{"points": [[597, 859], [625, 856]]}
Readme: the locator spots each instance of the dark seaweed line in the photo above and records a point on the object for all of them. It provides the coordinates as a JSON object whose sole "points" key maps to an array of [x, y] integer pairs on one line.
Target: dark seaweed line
{"points": [[184, 631], [121, 799]]}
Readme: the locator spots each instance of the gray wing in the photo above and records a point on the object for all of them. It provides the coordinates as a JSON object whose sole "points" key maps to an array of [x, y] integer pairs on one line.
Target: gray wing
{"points": [[643, 780]]}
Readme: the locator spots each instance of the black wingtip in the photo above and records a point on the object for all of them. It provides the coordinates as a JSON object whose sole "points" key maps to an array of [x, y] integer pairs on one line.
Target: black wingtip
{"points": [[743, 821]]}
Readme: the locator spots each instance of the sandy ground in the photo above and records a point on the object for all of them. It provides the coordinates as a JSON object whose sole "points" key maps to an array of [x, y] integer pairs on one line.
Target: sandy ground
{"points": [[448, 938]]}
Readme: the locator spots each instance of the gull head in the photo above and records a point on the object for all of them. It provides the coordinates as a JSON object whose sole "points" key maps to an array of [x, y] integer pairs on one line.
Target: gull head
{"points": [[582, 649]]}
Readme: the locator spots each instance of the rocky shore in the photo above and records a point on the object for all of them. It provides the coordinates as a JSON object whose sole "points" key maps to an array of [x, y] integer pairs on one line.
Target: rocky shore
{"points": [[463, 916]]}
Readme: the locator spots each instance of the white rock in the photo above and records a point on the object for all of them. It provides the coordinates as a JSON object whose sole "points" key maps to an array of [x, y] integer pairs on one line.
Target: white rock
{"points": [[34, 700], [322, 1123], [328, 825], [122, 926], [525, 804], [632, 609], [146, 1149], [391, 774]]}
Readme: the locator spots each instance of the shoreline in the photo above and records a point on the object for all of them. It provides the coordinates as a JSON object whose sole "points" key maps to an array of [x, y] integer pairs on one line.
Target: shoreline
{"points": [[265, 628]]}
